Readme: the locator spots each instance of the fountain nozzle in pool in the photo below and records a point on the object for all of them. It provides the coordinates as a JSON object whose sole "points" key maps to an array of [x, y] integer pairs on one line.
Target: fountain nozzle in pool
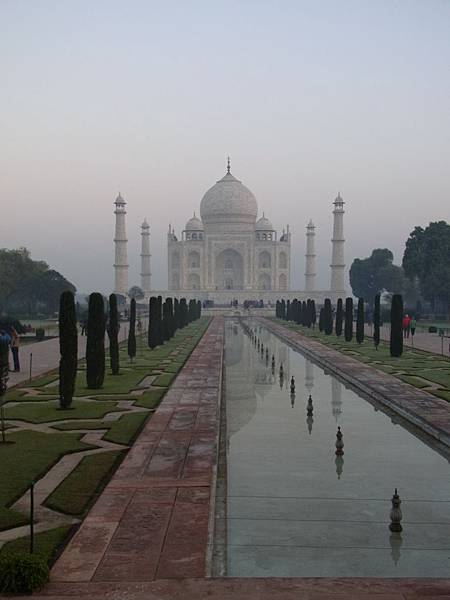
{"points": [[292, 385], [309, 409], [396, 513], [339, 443]]}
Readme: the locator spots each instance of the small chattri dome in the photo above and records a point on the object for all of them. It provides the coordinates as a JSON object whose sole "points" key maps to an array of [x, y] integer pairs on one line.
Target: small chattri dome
{"points": [[263, 224], [194, 224]]}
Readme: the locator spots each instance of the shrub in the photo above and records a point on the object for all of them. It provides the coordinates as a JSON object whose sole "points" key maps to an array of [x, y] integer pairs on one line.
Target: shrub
{"points": [[131, 347], [339, 317], [68, 348], [22, 573], [312, 314], [40, 334], [432, 329], [152, 324], [360, 321], [113, 334], [348, 329], [95, 345], [396, 341], [376, 321], [159, 323], [321, 319]]}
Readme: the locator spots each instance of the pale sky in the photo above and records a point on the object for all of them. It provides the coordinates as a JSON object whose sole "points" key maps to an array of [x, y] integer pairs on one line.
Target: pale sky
{"points": [[307, 97]]}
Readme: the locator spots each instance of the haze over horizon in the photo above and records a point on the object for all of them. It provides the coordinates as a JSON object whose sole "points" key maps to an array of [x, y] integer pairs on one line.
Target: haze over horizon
{"points": [[148, 99]]}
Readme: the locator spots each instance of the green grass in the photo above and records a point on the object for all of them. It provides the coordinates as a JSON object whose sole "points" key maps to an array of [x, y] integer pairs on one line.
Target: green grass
{"points": [[150, 399], [164, 380], [79, 489], [42, 412], [46, 544], [125, 430], [28, 459], [413, 367]]}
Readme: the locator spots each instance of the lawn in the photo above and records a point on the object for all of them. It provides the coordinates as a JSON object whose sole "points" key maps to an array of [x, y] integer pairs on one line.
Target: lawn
{"points": [[421, 369]]}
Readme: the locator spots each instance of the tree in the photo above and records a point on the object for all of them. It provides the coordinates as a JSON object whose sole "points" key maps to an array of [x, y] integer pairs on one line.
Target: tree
{"points": [[312, 314], [348, 328], [360, 321], [376, 321], [199, 309], [29, 286], [283, 309], [396, 341], [159, 323], [176, 314], [183, 312], [426, 258], [327, 317], [136, 293], [152, 323], [113, 334], [68, 348], [95, 345], [375, 274], [339, 317], [131, 346]]}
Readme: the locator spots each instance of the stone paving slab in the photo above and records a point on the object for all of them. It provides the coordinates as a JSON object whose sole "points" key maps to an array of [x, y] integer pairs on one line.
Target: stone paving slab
{"points": [[417, 406], [255, 589], [151, 521]]}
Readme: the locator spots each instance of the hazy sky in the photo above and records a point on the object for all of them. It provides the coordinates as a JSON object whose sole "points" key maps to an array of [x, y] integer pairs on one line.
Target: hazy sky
{"points": [[308, 97]]}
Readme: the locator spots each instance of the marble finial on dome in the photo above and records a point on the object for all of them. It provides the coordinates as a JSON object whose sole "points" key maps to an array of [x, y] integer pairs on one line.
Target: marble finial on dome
{"points": [[228, 165], [145, 224]]}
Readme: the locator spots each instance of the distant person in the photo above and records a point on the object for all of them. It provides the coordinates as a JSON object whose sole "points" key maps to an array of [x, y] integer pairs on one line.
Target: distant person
{"points": [[5, 342], [413, 325], [15, 343], [83, 327], [406, 325]]}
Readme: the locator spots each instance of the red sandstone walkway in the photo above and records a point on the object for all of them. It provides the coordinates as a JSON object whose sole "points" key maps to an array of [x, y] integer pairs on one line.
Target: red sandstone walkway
{"points": [[151, 521]]}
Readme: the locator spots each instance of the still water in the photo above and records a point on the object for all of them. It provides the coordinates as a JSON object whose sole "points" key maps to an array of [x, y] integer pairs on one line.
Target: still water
{"points": [[294, 509]]}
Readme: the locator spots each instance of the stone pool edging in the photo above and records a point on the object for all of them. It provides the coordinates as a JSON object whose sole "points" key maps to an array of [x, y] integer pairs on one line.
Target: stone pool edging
{"points": [[409, 401], [155, 518]]}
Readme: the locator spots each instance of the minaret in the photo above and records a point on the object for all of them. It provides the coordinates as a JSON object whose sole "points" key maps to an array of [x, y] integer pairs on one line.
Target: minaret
{"points": [[145, 258], [337, 283], [120, 241], [310, 270]]}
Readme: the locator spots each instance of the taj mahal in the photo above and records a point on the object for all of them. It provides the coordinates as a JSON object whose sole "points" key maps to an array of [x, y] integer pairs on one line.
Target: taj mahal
{"points": [[228, 253]]}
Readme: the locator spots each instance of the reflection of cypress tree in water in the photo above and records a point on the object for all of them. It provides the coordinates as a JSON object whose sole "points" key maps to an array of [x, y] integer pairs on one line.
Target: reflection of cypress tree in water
{"points": [[310, 421], [309, 375], [336, 398]]}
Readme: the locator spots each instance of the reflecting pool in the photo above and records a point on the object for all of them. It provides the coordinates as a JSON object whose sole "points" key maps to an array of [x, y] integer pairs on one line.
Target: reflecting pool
{"points": [[294, 508]]}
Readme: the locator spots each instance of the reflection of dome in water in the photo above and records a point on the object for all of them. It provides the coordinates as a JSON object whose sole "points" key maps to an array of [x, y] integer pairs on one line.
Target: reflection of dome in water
{"points": [[233, 345]]}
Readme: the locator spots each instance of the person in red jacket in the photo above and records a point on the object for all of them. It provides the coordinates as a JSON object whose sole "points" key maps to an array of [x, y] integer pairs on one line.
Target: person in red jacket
{"points": [[406, 325]]}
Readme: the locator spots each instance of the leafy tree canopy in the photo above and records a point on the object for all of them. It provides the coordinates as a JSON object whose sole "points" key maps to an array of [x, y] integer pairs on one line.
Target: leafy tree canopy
{"points": [[427, 258], [136, 293], [29, 286], [369, 276]]}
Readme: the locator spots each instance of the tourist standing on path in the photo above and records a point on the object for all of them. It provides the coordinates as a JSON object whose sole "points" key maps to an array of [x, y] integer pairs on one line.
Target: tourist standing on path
{"points": [[413, 325], [406, 325], [15, 343]]}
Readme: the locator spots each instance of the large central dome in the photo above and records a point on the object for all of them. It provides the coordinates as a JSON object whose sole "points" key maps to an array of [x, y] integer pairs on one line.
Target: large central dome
{"points": [[228, 201]]}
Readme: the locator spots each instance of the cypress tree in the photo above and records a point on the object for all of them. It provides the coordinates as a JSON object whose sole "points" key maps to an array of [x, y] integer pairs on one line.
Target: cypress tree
{"points": [[169, 302], [183, 312], [191, 311], [327, 317], [165, 321], [376, 321], [300, 313], [313, 314], [396, 345], [283, 309], [68, 348], [348, 328], [305, 311], [199, 309], [132, 330], [152, 325], [339, 315], [288, 310], [159, 324], [113, 334], [360, 321], [177, 314], [321, 319], [95, 345]]}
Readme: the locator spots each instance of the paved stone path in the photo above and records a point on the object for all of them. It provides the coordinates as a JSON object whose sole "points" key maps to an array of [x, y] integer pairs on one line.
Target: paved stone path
{"points": [[152, 520], [431, 342], [417, 406]]}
